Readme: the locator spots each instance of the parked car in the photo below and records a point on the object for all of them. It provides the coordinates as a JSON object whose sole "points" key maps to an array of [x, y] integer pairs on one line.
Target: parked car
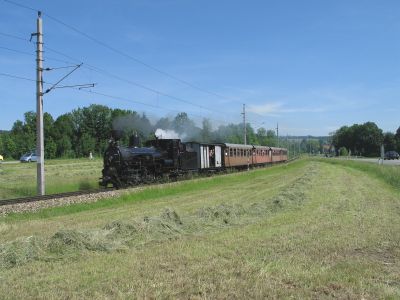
{"points": [[28, 157], [392, 155], [1, 158]]}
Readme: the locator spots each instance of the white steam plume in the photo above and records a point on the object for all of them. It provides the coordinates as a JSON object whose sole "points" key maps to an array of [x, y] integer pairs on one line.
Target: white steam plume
{"points": [[166, 134]]}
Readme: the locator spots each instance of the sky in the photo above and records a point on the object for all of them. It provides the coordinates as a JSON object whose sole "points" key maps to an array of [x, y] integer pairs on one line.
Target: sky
{"points": [[309, 66]]}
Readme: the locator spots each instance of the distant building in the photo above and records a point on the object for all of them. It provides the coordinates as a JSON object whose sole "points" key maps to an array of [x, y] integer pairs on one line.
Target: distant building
{"points": [[328, 149]]}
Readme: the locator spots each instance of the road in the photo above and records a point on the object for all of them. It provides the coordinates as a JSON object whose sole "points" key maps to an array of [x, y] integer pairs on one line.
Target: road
{"points": [[10, 162]]}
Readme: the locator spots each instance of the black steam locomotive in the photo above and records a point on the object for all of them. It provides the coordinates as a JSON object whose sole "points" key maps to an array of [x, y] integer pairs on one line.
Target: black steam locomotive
{"points": [[132, 165], [171, 158]]}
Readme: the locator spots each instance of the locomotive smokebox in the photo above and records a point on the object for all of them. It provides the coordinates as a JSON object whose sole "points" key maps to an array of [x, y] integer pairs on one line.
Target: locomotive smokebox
{"points": [[117, 134], [134, 140]]}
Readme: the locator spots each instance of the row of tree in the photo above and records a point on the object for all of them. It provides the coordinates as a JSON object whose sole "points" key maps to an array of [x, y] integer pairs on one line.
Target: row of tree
{"points": [[365, 140], [87, 129]]}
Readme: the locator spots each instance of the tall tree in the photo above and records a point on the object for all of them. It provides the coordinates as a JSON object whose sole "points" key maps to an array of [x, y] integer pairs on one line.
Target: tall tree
{"points": [[389, 141], [182, 124], [206, 131]]}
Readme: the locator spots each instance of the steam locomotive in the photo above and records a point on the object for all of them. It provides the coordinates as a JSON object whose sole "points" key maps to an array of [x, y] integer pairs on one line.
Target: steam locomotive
{"points": [[171, 158]]}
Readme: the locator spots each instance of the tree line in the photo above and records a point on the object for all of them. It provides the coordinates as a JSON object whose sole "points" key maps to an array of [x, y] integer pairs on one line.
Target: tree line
{"points": [[365, 140], [87, 129]]}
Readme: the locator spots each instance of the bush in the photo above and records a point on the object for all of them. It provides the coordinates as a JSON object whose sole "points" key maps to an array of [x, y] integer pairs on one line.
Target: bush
{"points": [[343, 151]]}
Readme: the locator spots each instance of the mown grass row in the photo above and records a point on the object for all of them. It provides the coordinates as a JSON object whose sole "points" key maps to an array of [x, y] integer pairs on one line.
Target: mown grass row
{"points": [[328, 231]]}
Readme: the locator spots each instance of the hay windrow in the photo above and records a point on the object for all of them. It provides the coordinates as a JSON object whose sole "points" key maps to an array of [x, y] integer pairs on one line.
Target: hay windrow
{"points": [[21, 251], [124, 234]]}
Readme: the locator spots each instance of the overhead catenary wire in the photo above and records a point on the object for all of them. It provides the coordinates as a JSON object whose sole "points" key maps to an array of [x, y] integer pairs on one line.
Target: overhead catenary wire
{"points": [[14, 36], [149, 105], [32, 54], [129, 81], [17, 77], [118, 77], [17, 51], [145, 64], [104, 72], [20, 5], [122, 53], [112, 97]]}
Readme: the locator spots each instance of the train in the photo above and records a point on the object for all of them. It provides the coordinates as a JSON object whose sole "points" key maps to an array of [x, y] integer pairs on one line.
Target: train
{"points": [[131, 165]]}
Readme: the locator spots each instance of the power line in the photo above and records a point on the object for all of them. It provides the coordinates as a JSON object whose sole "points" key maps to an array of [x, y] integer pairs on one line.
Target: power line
{"points": [[145, 104], [99, 42], [20, 5], [109, 74], [32, 54], [99, 70], [17, 77], [139, 61], [17, 51], [14, 36], [111, 97]]}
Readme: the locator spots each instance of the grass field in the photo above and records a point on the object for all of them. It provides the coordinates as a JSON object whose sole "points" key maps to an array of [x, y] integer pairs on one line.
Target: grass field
{"points": [[62, 175], [309, 229]]}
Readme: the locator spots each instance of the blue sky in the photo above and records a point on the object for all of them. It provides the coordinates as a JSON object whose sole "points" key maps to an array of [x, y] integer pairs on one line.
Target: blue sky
{"points": [[311, 66]]}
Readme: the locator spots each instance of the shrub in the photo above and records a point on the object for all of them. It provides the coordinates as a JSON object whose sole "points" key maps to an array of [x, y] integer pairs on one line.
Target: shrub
{"points": [[343, 151]]}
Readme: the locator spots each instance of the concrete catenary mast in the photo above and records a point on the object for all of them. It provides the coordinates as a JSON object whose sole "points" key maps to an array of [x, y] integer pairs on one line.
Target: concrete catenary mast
{"points": [[244, 123], [39, 107]]}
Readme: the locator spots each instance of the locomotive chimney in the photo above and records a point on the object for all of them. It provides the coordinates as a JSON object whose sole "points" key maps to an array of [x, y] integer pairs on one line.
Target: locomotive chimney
{"points": [[117, 134], [134, 140]]}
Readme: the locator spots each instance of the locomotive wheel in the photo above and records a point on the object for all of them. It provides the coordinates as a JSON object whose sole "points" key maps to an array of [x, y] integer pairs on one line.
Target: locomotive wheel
{"points": [[116, 183]]}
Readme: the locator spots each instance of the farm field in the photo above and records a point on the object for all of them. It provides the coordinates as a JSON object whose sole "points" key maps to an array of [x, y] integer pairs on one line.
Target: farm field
{"points": [[309, 229], [62, 175]]}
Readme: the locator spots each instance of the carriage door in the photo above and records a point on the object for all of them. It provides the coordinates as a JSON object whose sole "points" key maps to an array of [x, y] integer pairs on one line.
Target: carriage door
{"points": [[218, 157], [204, 157]]}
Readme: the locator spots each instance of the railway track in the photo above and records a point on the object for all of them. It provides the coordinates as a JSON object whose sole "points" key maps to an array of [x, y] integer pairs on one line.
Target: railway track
{"points": [[12, 201], [31, 199]]}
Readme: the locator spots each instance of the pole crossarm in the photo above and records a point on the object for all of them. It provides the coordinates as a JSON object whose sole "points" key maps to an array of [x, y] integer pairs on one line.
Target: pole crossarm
{"points": [[69, 73], [79, 86]]}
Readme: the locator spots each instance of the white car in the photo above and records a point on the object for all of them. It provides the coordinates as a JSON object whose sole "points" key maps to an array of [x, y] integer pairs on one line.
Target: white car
{"points": [[28, 157], [1, 158]]}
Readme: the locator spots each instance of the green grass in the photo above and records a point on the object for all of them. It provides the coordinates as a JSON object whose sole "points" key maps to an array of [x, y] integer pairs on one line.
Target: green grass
{"points": [[152, 193], [390, 174], [62, 175], [304, 230]]}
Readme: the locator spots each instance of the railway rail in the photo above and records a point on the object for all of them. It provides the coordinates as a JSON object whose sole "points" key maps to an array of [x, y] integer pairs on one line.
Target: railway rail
{"points": [[51, 196], [31, 199]]}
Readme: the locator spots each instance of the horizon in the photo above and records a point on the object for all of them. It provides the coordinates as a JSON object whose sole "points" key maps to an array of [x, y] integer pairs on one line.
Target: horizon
{"points": [[310, 67]]}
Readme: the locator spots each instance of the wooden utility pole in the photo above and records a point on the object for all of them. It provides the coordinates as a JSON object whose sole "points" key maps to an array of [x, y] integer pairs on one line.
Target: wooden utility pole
{"points": [[39, 107]]}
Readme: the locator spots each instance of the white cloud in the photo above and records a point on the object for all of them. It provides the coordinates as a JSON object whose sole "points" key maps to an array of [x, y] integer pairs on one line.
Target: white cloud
{"points": [[276, 108], [266, 108]]}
